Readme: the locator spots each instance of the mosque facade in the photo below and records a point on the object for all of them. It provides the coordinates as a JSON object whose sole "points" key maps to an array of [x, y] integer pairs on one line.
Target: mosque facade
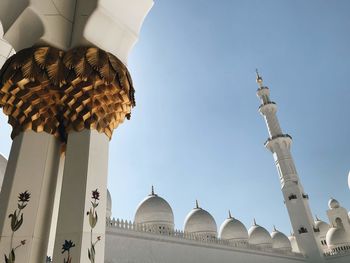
{"points": [[151, 237]]}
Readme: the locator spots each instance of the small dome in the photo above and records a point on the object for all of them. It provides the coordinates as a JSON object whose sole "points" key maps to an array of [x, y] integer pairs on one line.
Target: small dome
{"points": [[233, 229], [336, 236], [332, 203], [322, 226], [280, 240], [259, 236], [109, 205], [199, 221], [154, 210], [3, 164], [294, 244]]}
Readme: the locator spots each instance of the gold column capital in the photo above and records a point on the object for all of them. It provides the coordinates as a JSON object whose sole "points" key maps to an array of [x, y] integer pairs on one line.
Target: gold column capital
{"points": [[50, 90]]}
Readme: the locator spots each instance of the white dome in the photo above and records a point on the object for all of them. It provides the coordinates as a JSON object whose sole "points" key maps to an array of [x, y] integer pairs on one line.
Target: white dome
{"points": [[322, 226], [154, 210], [294, 244], [233, 229], [336, 237], [199, 221], [280, 240], [3, 163], [259, 236], [332, 203], [109, 205]]}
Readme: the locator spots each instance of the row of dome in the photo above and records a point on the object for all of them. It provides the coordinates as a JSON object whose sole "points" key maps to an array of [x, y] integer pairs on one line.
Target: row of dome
{"points": [[155, 212]]}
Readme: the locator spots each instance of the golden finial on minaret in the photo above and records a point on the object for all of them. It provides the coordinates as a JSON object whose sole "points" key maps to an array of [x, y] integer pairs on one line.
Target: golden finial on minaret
{"points": [[259, 79]]}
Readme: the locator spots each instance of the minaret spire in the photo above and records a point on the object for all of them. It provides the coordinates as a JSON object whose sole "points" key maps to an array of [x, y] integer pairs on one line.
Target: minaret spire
{"points": [[295, 198], [259, 79]]}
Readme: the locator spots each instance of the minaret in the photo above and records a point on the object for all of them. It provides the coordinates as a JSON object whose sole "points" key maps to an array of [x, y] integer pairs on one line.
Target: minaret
{"points": [[295, 198]]}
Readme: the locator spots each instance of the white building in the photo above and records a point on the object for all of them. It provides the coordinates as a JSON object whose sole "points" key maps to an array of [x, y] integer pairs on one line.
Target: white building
{"points": [[152, 238]]}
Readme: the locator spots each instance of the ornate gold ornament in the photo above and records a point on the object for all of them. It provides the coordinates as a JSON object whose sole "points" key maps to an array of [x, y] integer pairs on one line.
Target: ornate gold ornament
{"points": [[47, 89]]}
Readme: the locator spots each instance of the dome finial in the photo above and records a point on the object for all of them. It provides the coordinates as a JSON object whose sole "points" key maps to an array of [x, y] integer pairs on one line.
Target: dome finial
{"points": [[317, 219], [274, 228], [197, 205], [259, 79], [254, 222], [152, 190], [229, 214]]}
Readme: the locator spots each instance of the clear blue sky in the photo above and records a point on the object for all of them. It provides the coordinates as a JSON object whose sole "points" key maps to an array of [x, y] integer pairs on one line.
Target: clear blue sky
{"points": [[196, 132]]}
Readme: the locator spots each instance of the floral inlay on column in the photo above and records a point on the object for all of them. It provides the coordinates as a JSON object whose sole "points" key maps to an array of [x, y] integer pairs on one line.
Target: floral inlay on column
{"points": [[93, 218], [66, 248], [16, 223]]}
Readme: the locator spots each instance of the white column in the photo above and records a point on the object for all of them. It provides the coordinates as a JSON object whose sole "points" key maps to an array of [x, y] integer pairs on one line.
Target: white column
{"points": [[56, 207], [85, 170], [32, 167]]}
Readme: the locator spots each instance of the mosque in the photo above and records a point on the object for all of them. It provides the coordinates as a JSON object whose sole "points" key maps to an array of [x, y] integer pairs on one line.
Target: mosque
{"points": [[151, 237]]}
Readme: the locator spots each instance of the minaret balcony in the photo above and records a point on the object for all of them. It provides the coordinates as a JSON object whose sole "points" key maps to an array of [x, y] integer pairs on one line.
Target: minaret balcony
{"points": [[270, 102], [263, 91], [279, 139]]}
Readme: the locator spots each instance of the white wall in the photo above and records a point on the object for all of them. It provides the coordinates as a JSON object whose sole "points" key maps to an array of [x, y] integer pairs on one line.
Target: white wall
{"points": [[5, 50], [338, 259], [3, 163], [123, 246]]}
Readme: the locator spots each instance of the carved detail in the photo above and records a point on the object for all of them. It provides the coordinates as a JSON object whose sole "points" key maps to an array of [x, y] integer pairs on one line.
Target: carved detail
{"points": [[46, 89]]}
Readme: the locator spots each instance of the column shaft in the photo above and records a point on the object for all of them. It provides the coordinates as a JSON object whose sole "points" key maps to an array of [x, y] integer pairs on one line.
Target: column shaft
{"points": [[86, 168], [32, 167]]}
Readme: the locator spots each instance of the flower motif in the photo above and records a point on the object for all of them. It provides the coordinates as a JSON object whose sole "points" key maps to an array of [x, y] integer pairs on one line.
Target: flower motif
{"points": [[23, 242], [99, 238], [67, 246], [96, 195], [24, 197]]}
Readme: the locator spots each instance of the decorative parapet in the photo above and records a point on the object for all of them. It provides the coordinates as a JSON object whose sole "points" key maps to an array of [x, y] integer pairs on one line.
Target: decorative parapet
{"points": [[142, 228], [276, 137], [339, 251]]}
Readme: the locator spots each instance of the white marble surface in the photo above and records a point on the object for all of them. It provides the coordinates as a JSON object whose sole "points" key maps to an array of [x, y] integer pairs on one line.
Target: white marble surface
{"points": [[5, 51]]}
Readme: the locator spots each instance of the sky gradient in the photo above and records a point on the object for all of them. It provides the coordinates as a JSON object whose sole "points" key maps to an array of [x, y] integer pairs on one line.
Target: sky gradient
{"points": [[196, 132]]}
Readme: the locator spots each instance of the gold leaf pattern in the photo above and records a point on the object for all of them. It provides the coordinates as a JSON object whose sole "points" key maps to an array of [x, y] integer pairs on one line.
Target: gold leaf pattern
{"points": [[46, 89]]}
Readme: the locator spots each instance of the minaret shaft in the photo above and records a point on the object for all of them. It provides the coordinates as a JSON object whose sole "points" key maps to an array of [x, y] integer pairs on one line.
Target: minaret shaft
{"points": [[273, 125], [294, 196]]}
